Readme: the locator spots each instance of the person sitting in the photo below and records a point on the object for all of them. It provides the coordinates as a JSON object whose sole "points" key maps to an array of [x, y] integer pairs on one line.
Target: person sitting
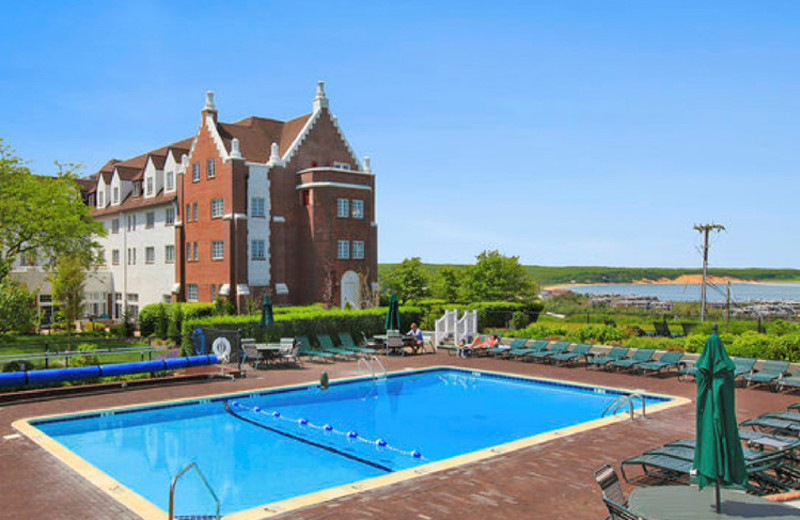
{"points": [[416, 334]]}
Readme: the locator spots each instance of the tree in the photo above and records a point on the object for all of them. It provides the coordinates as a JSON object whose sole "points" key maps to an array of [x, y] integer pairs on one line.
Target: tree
{"points": [[408, 280], [43, 217], [446, 284], [495, 277], [18, 311], [68, 280]]}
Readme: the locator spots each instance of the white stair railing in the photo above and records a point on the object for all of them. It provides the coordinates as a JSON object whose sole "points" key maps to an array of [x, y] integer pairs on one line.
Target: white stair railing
{"points": [[466, 327], [445, 327]]}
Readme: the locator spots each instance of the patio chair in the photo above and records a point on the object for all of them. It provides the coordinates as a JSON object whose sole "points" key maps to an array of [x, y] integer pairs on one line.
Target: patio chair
{"points": [[618, 512], [536, 346], [781, 426], [581, 350], [346, 341], [668, 360], [326, 345], [609, 484], [290, 351], [769, 372], [615, 354], [251, 354], [556, 348], [516, 343], [788, 383], [642, 355], [305, 349]]}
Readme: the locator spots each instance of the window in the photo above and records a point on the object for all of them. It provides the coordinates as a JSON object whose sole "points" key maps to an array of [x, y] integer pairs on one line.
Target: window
{"points": [[45, 298], [194, 256], [149, 187], [195, 172], [341, 165], [150, 219], [188, 216], [169, 254], [216, 208], [258, 250], [130, 222], [194, 211], [115, 198], [358, 208], [213, 292], [343, 250], [191, 292], [358, 249], [217, 250], [342, 208], [169, 217], [150, 254], [100, 199], [257, 207], [115, 257], [170, 180], [131, 256], [188, 251], [115, 226], [210, 168], [133, 297]]}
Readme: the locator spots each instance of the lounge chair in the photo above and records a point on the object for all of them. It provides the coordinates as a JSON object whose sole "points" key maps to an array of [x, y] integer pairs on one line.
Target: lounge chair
{"points": [[619, 512], [781, 426], [516, 343], [581, 350], [642, 355], [769, 372], [306, 349], [536, 346], [347, 343], [326, 345], [743, 366], [615, 354], [669, 359], [609, 484], [556, 348], [788, 383]]}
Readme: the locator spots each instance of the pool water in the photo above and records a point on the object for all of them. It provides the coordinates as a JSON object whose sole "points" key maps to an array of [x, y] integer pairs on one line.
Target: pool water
{"points": [[260, 448]]}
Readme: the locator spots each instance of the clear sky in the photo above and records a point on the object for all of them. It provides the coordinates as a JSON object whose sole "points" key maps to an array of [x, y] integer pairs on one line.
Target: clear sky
{"points": [[563, 132]]}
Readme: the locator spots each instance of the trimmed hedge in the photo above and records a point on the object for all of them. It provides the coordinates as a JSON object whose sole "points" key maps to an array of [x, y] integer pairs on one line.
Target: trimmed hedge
{"points": [[149, 316]]}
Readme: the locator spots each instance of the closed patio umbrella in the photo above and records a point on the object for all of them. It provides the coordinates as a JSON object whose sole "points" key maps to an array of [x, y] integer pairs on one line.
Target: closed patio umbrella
{"points": [[718, 456], [393, 314], [267, 319]]}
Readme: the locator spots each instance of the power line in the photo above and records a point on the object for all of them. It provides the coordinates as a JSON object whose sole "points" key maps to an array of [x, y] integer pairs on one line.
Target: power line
{"points": [[705, 229]]}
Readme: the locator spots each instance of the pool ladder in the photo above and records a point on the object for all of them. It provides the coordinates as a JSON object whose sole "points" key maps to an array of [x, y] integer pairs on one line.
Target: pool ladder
{"points": [[367, 366], [205, 483], [621, 401]]}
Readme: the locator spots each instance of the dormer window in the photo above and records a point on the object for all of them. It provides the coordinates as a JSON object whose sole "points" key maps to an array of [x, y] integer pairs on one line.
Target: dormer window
{"points": [[137, 189], [100, 199], [341, 165], [170, 180], [149, 187], [115, 196]]}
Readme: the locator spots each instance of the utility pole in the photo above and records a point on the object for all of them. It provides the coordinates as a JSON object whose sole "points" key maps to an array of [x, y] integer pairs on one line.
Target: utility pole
{"points": [[704, 229]]}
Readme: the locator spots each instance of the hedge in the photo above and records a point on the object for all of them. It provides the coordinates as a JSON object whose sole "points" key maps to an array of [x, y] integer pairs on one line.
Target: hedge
{"points": [[302, 322], [149, 315]]}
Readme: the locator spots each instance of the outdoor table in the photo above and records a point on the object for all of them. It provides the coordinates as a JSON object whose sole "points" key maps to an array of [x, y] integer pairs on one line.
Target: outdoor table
{"points": [[268, 351], [688, 503]]}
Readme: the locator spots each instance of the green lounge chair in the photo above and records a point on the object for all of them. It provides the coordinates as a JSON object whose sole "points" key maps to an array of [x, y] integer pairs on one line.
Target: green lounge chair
{"points": [[307, 351], [581, 350], [769, 372], [326, 345], [347, 343], [536, 346], [557, 348], [516, 343], [615, 354], [788, 383], [780, 426], [669, 359], [743, 366], [642, 355]]}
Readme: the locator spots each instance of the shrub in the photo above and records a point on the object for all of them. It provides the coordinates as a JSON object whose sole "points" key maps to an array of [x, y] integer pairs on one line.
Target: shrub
{"points": [[88, 359], [519, 320], [601, 334], [541, 331], [656, 343], [175, 321], [162, 321]]}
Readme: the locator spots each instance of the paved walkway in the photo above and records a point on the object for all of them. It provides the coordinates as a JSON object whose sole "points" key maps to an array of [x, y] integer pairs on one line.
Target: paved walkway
{"points": [[552, 480]]}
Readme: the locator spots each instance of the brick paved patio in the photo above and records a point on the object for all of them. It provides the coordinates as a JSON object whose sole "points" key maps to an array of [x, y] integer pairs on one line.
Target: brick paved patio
{"points": [[552, 480]]}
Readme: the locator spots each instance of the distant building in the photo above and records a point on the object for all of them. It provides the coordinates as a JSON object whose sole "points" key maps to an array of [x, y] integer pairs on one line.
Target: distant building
{"points": [[240, 209]]}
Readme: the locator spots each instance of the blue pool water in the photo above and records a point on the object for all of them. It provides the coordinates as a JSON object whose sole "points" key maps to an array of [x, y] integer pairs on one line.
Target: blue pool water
{"points": [[259, 448]]}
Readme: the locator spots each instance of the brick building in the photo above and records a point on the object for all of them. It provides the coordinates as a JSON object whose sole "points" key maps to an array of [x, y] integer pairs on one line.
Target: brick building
{"points": [[240, 209]]}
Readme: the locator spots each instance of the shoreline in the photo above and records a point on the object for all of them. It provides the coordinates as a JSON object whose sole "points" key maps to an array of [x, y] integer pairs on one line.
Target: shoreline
{"points": [[567, 286]]}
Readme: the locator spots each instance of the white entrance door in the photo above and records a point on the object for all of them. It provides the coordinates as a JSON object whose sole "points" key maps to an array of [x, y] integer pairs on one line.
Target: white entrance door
{"points": [[350, 290]]}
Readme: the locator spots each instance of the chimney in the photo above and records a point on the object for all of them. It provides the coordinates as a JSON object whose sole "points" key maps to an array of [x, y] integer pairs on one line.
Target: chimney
{"points": [[210, 108], [320, 101]]}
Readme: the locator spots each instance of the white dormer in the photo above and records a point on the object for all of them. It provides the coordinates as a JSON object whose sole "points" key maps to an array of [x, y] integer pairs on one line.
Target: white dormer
{"points": [[120, 189], [152, 180], [171, 167], [102, 193]]}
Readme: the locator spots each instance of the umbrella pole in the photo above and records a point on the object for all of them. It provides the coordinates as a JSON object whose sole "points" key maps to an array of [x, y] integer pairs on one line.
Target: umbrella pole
{"points": [[719, 505]]}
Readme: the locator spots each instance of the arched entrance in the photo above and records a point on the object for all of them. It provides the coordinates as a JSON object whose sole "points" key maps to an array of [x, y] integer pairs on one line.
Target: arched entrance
{"points": [[350, 290]]}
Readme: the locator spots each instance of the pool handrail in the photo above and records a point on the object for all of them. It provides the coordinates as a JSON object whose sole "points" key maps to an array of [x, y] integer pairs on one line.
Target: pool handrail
{"points": [[189, 466]]}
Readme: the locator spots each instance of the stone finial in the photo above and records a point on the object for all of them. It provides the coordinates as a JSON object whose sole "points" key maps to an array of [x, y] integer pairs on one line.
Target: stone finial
{"points": [[210, 102], [367, 164], [235, 152], [320, 101], [274, 152], [184, 160]]}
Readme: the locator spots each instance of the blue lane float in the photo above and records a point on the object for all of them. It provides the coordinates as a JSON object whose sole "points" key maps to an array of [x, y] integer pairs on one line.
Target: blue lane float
{"points": [[60, 375]]}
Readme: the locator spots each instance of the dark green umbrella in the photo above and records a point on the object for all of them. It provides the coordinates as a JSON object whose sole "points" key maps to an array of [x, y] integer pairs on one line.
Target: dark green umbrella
{"points": [[267, 319], [393, 314], [718, 456]]}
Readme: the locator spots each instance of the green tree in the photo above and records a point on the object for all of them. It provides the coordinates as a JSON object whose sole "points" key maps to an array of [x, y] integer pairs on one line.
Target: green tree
{"points": [[43, 217], [408, 280], [446, 283], [496, 277], [68, 280], [18, 311]]}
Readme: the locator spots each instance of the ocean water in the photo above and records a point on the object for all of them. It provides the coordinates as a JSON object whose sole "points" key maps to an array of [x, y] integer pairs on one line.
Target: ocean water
{"points": [[740, 292]]}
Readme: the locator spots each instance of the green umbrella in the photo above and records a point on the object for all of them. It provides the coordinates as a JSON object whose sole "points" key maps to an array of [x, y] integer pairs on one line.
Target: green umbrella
{"points": [[393, 314], [266, 312], [718, 456]]}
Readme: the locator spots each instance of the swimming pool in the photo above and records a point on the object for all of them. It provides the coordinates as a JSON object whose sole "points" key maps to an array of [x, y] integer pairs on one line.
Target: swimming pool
{"points": [[272, 446]]}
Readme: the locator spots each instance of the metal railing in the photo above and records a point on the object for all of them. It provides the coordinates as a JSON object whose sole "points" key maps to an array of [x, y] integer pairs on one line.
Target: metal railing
{"points": [[368, 367], [621, 401], [175, 481], [66, 355]]}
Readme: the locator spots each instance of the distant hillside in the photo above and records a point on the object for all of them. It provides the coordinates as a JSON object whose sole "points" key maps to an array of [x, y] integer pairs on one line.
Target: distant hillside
{"points": [[591, 274]]}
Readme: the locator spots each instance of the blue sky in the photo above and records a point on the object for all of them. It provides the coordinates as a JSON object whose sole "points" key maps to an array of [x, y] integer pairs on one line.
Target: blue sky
{"points": [[566, 133]]}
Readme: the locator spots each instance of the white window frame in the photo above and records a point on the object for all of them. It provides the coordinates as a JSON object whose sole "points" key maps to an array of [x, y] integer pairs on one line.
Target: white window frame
{"points": [[169, 254], [217, 207], [170, 180], [258, 250], [115, 257], [191, 292], [150, 255], [211, 168], [115, 195], [343, 208], [195, 172], [358, 249], [357, 208], [343, 249], [115, 226], [148, 186], [217, 249], [169, 217], [341, 165], [258, 207], [149, 219]]}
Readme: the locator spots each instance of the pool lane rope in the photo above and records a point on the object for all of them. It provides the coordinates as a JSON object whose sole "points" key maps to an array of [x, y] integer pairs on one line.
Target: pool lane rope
{"points": [[278, 416]]}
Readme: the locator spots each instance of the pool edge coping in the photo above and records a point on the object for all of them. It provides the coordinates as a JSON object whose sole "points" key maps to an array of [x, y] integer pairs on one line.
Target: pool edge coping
{"points": [[149, 511]]}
